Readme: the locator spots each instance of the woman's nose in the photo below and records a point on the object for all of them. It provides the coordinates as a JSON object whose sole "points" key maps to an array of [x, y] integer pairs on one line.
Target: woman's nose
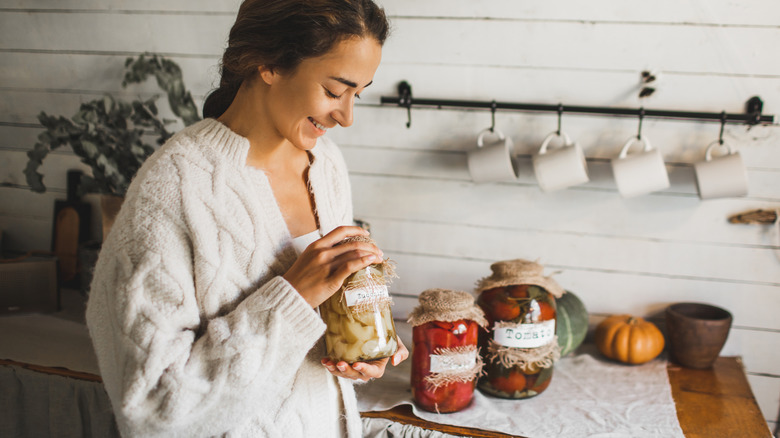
{"points": [[343, 114]]}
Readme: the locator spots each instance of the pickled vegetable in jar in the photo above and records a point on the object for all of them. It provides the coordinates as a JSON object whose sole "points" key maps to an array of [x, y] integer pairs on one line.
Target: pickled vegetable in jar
{"points": [[358, 317], [520, 347], [445, 361]]}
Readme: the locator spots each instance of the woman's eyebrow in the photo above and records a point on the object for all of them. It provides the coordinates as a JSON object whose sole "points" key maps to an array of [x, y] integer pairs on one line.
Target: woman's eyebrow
{"points": [[348, 83]]}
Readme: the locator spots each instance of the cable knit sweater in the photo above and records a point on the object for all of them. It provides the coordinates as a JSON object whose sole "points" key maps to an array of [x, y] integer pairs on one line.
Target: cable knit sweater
{"points": [[196, 332]]}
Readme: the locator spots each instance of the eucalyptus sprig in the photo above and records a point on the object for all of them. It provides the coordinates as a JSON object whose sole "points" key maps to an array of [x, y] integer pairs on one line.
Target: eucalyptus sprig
{"points": [[108, 134]]}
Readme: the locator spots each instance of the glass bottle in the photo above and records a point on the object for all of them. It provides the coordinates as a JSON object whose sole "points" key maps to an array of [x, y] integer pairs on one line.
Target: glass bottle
{"points": [[520, 347], [445, 361], [358, 317]]}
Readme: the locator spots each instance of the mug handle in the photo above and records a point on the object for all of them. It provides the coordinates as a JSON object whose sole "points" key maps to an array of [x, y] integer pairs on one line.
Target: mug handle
{"points": [[485, 131], [548, 139], [645, 141], [708, 154]]}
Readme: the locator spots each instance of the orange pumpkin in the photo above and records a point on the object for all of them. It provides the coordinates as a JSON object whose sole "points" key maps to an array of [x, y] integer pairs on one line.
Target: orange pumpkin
{"points": [[629, 339]]}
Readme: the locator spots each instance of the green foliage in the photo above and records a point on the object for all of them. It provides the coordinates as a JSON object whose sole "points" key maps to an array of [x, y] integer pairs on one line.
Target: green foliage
{"points": [[108, 134]]}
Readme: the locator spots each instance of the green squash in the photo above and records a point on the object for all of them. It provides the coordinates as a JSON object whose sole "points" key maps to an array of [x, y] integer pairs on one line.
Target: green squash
{"points": [[571, 322]]}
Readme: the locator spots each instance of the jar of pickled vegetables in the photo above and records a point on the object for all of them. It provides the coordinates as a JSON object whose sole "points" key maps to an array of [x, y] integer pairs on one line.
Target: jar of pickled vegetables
{"points": [[520, 347], [445, 361], [358, 317]]}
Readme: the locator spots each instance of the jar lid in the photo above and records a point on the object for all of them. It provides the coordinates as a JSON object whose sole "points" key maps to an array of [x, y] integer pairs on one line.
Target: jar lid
{"points": [[446, 305], [519, 271]]}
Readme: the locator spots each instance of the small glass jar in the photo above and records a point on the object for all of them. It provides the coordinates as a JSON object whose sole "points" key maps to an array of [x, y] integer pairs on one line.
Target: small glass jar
{"points": [[359, 321], [520, 347], [445, 361]]}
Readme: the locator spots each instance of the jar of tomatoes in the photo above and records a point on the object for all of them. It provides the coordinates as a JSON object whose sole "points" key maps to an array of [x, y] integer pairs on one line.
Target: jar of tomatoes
{"points": [[520, 346], [359, 321], [445, 361]]}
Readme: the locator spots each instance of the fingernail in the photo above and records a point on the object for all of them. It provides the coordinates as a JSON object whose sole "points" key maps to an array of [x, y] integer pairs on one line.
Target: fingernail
{"points": [[341, 368]]}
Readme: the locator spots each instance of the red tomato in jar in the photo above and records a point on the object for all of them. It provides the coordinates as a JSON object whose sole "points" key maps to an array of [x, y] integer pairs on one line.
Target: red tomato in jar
{"points": [[517, 291], [514, 381], [547, 312], [503, 310]]}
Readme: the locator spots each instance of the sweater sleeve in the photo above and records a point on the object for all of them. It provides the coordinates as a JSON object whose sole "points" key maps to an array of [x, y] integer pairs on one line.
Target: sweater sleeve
{"points": [[166, 366]]}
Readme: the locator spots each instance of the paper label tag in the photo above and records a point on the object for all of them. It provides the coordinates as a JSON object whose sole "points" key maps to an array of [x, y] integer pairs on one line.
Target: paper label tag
{"points": [[453, 362], [365, 294], [526, 335]]}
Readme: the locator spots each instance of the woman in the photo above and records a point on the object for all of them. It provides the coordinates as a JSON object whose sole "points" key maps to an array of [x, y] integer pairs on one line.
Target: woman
{"points": [[201, 312]]}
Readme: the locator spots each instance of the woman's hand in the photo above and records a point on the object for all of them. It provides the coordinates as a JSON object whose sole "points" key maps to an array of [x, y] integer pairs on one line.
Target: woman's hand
{"points": [[366, 371], [322, 267]]}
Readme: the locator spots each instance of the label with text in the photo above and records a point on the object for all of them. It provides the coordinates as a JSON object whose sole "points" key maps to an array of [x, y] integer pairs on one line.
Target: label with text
{"points": [[366, 294], [442, 363], [526, 335]]}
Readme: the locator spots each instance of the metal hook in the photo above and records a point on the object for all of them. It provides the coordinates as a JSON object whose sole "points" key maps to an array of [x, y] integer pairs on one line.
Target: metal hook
{"points": [[493, 107], [560, 116], [641, 116], [722, 126], [405, 100]]}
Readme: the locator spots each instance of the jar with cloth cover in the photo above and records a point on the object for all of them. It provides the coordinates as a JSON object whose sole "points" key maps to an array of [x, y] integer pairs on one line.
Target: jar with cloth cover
{"points": [[358, 317], [445, 360], [520, 347]]}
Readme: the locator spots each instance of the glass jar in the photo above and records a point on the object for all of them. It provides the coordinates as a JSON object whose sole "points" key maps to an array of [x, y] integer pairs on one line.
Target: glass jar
{"points": [[520, 346], [445, 361], [358, 318]]}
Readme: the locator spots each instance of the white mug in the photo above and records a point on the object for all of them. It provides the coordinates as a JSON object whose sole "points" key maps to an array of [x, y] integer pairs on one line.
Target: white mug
{"points": [[562, 167], [492, 162], [639, 173], [721, 177]]}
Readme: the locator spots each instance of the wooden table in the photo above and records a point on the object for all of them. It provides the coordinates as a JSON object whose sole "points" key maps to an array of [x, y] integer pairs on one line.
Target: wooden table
{"points": [[717, 402], [710, 403]]}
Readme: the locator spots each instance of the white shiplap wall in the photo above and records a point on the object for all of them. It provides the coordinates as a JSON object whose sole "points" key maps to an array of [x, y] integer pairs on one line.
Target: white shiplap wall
{"points": [[635, 256]]}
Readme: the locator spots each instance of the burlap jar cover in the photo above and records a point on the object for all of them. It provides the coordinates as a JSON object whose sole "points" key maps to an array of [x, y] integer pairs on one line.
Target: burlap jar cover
{"points": [[521, 272], [447, 306], [370, 281]]}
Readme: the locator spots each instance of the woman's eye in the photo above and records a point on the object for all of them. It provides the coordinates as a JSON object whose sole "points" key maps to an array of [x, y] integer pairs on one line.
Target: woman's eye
{"points": [[331, 95]]}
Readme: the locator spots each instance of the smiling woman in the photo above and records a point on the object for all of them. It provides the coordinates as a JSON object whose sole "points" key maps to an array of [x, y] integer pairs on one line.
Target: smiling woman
{"points": [[201, 310]]}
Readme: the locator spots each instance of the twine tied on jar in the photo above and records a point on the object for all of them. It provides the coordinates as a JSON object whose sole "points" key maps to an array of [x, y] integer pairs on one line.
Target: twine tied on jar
{"points": [[373, 281], [459, 364], [519, 271]]}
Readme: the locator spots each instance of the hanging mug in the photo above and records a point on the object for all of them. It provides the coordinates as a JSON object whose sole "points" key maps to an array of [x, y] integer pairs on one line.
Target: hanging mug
{"points": [[641, 172], [561, 167], [721, 177], [492, 162]]}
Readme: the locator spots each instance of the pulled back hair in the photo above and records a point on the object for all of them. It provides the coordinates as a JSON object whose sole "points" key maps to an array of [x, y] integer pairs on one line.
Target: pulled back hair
{"points": [[280, 34]]}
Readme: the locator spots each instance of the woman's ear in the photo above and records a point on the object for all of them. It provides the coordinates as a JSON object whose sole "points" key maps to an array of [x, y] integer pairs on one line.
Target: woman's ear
{"points": [[268, 74]]}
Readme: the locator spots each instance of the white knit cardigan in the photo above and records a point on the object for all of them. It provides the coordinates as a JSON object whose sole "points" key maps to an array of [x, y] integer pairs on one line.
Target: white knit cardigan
{"points": [[196, 332]]}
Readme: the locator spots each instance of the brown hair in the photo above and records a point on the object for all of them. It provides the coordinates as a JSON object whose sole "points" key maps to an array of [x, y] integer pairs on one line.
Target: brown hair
{"points": [[280, 34]]}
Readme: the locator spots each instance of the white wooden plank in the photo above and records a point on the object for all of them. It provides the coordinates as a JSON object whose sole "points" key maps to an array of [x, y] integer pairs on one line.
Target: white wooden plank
{"points": [[210, 6], [202, 35], [688, 12], [54, 169], [513, 207], [582, 45], [601, 292], [541, 44], [767, 392], [758, 349], [96, 73], [667, 11], [585, 252]]}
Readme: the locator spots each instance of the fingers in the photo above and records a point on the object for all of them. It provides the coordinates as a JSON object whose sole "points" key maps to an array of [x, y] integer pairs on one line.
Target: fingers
{"points": [[401, 354], [341, 233], [364, 371]]}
